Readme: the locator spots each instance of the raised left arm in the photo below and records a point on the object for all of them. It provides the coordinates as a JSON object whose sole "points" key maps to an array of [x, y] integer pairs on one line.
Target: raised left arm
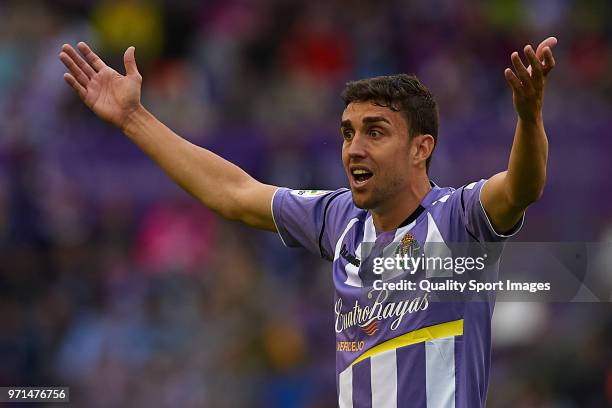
{"points": [[506, 195]]}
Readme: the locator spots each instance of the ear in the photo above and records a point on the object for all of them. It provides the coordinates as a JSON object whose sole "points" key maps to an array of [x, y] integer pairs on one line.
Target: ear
{"points": [[422, 147]]}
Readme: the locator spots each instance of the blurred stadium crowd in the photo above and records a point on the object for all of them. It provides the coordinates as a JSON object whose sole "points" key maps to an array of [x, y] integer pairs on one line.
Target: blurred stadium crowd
{"points": [[116, 283]]}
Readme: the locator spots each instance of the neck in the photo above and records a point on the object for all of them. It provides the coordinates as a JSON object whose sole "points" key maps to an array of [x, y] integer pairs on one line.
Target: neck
{"points": [[399, 208]]}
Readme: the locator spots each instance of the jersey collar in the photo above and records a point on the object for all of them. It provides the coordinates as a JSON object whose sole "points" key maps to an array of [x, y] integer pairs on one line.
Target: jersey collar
{"points": [[427, 200]]}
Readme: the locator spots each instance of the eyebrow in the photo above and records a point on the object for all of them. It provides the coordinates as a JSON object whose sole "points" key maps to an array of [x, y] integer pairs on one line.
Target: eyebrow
{"points": [[367, 120]]}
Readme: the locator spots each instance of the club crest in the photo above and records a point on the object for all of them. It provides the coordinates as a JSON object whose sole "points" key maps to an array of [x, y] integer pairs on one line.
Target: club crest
{"points": [[409, 246]]}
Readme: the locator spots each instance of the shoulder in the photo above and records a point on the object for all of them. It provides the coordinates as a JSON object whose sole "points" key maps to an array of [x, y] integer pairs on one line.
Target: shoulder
{"points": [[457, 204], [340, 211], [451, 197], [327, 209]]}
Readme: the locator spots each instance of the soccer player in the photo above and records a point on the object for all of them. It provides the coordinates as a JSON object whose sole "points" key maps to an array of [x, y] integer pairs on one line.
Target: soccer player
{"points": [[394, 348]]}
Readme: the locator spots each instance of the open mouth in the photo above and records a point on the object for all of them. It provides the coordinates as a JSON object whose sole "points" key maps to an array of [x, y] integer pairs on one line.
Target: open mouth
{"points": [[361, 175]]}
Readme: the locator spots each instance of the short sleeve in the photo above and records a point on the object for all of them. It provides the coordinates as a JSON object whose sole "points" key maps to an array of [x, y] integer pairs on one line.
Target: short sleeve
{"points": [[476, 219], [303, 218]]}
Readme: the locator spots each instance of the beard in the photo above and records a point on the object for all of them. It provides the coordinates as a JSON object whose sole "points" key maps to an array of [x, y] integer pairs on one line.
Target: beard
{"points": [[380, 196]]}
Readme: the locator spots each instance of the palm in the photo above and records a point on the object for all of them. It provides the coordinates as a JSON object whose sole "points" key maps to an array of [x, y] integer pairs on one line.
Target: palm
{"points": [[527, 82], [111, 95], [107, 93]]}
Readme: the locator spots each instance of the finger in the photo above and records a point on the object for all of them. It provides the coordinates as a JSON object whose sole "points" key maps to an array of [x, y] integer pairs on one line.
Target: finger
{"points": [[129, 60], [91, 57], [535, 64], [549, 60], [80, 62], [521, 71], [75, 71], [79, 89], [549, 42], [512, 79]]}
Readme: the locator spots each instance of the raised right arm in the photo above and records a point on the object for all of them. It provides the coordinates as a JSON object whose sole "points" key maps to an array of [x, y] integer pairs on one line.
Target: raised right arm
{"points": [[218, 184]]}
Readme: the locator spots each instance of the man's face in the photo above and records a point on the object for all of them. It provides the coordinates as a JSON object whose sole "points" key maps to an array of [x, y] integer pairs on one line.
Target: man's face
{"points": [[375, 154]]}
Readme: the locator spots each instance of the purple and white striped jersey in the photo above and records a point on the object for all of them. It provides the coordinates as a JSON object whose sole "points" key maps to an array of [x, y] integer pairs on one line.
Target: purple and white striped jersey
{"points": [[397, 348]]}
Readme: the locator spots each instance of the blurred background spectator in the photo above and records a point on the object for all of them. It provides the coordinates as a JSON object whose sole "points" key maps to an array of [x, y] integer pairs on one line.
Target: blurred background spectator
{"points": [[116, 283]]}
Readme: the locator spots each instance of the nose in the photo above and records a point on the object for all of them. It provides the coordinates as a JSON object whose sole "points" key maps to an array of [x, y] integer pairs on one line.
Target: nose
{"points": [[357, 148]]}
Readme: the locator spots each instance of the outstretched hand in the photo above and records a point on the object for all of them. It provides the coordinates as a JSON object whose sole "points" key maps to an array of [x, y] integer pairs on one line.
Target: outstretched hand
{"points": [[110, 95], [527, 83]]}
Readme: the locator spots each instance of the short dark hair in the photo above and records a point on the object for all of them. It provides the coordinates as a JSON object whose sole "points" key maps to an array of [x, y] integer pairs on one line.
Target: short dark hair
{"points": [[401, 93]]}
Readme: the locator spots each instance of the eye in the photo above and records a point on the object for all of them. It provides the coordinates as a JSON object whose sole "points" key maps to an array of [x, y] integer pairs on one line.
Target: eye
{"points": [[375, 133], [347, 134]]}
